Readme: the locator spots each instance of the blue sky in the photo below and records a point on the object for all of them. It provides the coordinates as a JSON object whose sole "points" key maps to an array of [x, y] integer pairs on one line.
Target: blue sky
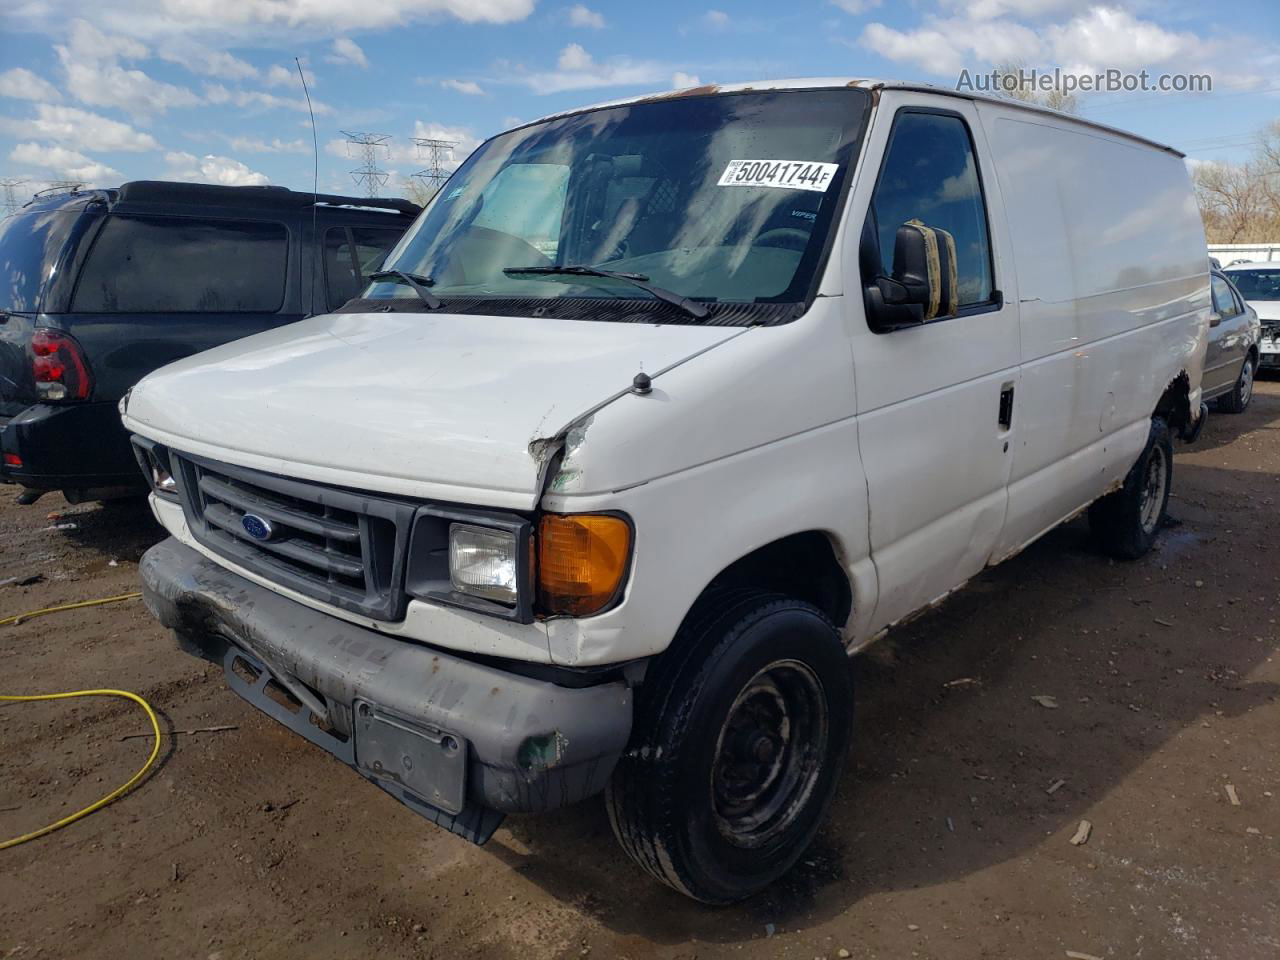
{"points": [[109, 90]]}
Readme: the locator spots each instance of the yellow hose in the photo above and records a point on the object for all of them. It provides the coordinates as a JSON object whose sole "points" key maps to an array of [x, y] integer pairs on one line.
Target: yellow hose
{"points": [[118, 791], [19, 618], [151, 715]]}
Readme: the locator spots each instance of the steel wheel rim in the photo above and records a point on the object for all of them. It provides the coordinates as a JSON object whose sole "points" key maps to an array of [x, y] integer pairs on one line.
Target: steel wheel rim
{"points": [[1246, 382], [769, 753], [1153, 488]]}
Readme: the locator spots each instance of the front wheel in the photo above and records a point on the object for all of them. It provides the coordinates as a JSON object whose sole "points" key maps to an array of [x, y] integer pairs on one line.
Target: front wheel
{"points": [[741, 732], [1237, 401], [1125, 523]]}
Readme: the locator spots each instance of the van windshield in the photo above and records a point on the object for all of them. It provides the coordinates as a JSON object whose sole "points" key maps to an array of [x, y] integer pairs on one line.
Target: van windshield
{"points": [[29, 247], [1261, 284], [723, 198]]}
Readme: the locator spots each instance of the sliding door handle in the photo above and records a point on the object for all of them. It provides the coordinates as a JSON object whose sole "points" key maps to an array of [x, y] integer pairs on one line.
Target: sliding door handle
{"points": [[1005, 418]]}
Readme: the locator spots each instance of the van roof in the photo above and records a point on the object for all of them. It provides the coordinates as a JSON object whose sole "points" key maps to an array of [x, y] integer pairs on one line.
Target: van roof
{"points": [[866, 83], [207, 194]]}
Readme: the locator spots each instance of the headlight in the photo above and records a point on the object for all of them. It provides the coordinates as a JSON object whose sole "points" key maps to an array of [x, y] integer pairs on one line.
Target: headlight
{"points": [[480, 560], [483, 562]]}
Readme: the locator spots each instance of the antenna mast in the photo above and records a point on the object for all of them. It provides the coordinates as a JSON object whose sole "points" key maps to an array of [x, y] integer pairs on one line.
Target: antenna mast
{"points": [[368, 173]]}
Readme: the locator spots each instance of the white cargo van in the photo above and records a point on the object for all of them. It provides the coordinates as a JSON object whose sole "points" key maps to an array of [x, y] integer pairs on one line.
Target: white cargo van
{"points": [[660, 410]]}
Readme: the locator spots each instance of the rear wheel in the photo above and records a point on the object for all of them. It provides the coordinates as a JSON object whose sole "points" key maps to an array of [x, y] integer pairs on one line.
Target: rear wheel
{"points": [[1126, 522], [1237, 401], [741, 733]]}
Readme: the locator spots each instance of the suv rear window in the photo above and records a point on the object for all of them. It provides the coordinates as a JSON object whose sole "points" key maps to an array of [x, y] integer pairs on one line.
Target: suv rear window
{"points": [[29, 246], [350, 255], [184, 265]]}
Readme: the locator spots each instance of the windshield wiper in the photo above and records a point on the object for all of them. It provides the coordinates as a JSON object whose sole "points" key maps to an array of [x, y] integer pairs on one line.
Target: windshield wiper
{"points": [[691, 307], [417, 281]]}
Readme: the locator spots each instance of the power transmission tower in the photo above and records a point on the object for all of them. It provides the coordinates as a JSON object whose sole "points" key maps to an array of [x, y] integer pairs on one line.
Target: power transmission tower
{"points": [[368, 174], [10, 196], [438, 153]]}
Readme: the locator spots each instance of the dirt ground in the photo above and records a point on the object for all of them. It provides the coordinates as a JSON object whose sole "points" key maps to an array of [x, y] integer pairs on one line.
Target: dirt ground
{"points": [[945, 841]]}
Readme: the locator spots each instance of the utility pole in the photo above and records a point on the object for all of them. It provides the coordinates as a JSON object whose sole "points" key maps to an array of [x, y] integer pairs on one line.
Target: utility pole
{"points": [[438, 153], [11, 204], [368, 174]]}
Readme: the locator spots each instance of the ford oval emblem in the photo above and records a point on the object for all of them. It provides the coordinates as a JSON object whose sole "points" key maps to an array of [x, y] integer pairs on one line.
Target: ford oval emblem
{"points": [[257, 527]]}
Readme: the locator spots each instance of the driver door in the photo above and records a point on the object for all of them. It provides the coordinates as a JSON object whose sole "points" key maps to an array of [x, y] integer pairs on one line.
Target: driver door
{"points": [[937, 401]]}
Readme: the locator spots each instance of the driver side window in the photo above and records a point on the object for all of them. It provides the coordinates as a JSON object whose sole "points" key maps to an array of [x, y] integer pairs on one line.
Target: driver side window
{"points": [[930, 175]]}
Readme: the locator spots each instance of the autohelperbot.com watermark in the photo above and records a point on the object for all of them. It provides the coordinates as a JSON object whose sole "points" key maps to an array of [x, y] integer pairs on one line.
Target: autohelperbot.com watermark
{"points": [[1066, 81]]}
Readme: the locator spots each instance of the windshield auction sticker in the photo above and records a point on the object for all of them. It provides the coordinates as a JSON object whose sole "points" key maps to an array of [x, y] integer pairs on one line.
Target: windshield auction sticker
{"points": [[787, 174]]}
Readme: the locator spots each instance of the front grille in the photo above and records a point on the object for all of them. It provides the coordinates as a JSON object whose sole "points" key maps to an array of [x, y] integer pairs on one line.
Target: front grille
{"points": [[339, 546]]}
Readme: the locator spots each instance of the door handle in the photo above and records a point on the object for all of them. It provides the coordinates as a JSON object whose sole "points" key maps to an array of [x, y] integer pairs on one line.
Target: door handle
{"points": [[1005, 418]]}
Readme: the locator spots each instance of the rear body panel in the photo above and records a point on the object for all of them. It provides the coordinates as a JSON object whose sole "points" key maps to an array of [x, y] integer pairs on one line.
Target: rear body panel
{"points": [[82, 445]]}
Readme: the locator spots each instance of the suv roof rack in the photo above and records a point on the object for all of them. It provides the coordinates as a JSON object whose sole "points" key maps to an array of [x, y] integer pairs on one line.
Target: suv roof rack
{"points": [[167, 191]]}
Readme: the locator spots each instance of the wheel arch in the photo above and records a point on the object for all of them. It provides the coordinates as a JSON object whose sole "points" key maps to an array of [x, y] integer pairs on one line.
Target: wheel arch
{"points": [[805, 565], [1174, 405]]}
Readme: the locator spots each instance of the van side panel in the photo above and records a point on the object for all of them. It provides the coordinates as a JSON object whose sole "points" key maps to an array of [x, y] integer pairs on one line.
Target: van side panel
{"points": [[1114, 304]]}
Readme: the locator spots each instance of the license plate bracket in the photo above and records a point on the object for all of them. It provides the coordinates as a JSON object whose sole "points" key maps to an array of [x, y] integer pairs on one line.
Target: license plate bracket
{"points": [[425, 760]]}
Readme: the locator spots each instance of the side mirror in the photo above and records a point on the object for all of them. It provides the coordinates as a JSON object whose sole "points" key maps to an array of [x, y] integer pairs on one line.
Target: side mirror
{"points": [[924, 282]]}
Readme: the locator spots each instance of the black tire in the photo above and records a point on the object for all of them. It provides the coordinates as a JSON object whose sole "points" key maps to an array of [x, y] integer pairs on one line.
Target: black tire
{"points": [[1237, 401], [1125, 523], [678, 806]]}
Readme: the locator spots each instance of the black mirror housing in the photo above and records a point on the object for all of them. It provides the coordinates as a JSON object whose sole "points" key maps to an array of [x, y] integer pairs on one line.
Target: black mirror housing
{"points": [[924, 281]]}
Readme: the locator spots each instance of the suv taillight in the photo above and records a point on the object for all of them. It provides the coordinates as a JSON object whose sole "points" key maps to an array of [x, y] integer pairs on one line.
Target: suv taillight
{"points": [[58, 366]]}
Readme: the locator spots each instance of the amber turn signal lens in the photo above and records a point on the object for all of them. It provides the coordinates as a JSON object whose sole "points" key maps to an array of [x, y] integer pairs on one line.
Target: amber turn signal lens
{"points": [[581, 561]]}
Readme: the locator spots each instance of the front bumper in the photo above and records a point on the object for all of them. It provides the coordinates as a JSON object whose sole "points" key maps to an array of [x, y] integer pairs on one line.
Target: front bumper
{"points": [[526, 745], [72, 446]]}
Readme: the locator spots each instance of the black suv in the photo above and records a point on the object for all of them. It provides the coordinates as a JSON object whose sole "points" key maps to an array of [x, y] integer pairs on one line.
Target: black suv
{"points": [[100, 287]]}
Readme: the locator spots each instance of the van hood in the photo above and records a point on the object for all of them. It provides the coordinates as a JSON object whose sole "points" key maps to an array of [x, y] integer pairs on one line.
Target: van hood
{"points": [[425, 405]]}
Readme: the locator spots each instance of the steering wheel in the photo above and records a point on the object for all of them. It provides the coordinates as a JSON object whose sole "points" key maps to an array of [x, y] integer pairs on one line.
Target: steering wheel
{"points": [[514, 249], [789, 238]]}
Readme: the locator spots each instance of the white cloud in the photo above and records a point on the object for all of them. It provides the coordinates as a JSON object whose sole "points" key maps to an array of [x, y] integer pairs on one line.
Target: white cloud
{"points": [[211, 169], [576, 69], [275, 145], [65, 164], [716, 19], [1098, 39], [580, 16], [1107, 37], [95, 76], [219, 95], [680, 80], [206, 61], [469, 87], [857, 7], [990, 9], [283, 75], [25, 85], [346, 50], [575, 57], [945, 47], [241, 21], [73, 127]]}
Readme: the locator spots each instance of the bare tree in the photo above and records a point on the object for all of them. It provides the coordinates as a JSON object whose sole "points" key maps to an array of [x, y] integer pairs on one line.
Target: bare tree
{"points": [[1019, 87], [1236, 204], [417, 190]]}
